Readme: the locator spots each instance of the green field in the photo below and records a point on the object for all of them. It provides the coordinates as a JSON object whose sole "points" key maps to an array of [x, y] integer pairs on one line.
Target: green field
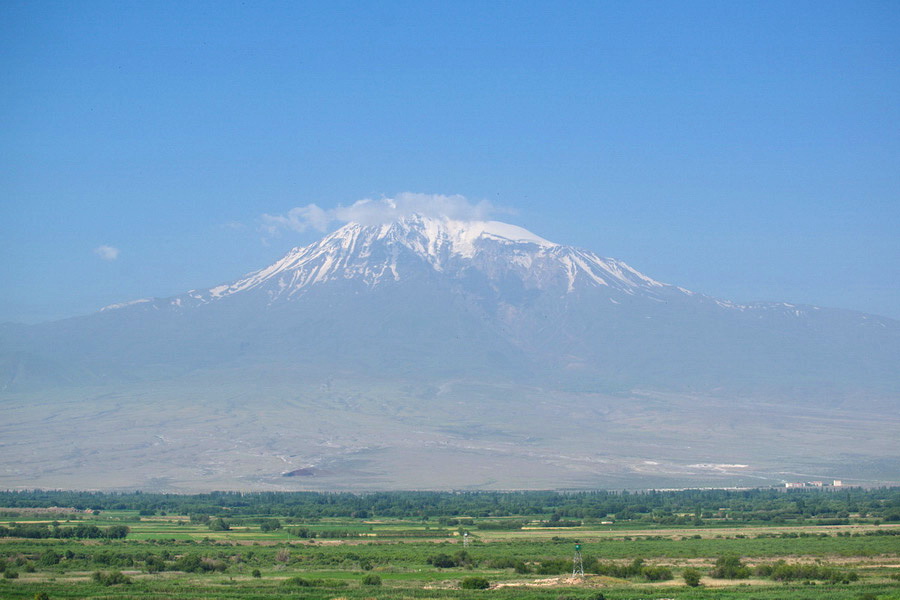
{"points": [[247, 549]]}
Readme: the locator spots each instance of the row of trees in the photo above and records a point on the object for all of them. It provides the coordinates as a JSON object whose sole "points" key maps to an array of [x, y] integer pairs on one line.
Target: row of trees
{"points": [[731, 567], [726, 567], [759, 504], [80, 531]]}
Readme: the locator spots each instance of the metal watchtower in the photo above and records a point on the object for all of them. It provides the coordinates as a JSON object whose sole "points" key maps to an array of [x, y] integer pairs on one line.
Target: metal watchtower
{"points": [[578, 563]]}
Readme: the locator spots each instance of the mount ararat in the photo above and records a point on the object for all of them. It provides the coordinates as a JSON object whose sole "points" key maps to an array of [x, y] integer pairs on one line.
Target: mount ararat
{"points": [[365, 359]]}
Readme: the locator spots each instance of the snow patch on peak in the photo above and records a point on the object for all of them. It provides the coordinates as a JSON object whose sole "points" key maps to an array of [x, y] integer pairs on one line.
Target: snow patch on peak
{"points": [[431, 236], [124, 304], [507, 232]]}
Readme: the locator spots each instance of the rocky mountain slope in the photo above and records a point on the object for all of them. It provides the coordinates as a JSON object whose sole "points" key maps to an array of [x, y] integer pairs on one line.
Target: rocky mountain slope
{"points": [[434, 297]]}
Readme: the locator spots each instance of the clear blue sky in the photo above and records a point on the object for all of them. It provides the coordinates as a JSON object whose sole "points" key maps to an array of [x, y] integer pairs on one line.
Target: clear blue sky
{"points": [[746, 150]]}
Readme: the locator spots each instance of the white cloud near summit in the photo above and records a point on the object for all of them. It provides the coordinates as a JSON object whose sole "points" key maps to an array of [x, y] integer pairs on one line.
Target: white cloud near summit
{"points": [[299, 219], [108, 253], [377, 211]]}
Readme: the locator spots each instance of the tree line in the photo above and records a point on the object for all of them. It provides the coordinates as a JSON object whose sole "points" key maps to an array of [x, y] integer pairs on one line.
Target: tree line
{"points": [[665, 507]]}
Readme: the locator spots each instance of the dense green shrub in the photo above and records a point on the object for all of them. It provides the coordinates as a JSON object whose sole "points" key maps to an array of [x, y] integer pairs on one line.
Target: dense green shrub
{"points": [[499, 525], [301, 582], [691, 577], [730, 567], [554, 567], [111, 578], [635, 569], [193, 563], [474, 583], [441, 561], [657, 573], [154, 564], [503, 562], [782, 571], [371, 579], [49, 558], [272, 525]]}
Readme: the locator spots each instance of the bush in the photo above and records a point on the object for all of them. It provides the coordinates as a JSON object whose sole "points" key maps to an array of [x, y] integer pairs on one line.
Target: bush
{"points": [[463, 559], [691, 577], [256, 573], [556, 566], [441, 561], [116, 532], [301, 582], [10, 574], [219, 524], [634, 569], [502, 563], [49, 558], [272, 525], [154, 564], [371, 579], [474, 583], [781, 571], [730, 567], [111, 578], [189, 563], [499, 525], [657, 573]]}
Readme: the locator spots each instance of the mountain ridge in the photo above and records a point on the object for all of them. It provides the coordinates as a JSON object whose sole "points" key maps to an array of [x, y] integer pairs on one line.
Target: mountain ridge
{"points": [[445, 245], [467, 297], [373, 355], [300, 263]]}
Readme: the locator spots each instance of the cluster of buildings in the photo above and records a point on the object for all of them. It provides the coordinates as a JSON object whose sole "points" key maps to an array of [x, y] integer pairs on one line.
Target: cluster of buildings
{"points": [[814, 484]]}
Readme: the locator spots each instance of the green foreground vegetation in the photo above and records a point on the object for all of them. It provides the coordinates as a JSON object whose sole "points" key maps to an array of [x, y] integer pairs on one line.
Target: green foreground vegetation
{"points": [[759, 544]]}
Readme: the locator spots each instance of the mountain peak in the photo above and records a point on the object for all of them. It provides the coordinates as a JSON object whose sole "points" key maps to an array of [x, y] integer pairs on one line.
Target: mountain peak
{"points": [[435, 238], [426, 290], [417, 244]]}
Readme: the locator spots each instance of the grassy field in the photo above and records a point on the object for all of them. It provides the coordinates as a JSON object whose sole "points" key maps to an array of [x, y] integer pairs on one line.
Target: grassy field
{"points": [[181, 556]]}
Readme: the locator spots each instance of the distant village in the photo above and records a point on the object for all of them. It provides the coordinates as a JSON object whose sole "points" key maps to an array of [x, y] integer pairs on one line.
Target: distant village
{"points": [[837, 483]]}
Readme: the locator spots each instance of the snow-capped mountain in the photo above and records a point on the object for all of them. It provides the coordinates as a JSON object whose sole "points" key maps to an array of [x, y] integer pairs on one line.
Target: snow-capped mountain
{"points": [[483, 299], [381, 351], [411, 247]]}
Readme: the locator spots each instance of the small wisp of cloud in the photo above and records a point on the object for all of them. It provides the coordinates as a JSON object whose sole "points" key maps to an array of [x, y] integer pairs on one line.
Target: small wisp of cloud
{"points": [[370, 211], [107, 253]]}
